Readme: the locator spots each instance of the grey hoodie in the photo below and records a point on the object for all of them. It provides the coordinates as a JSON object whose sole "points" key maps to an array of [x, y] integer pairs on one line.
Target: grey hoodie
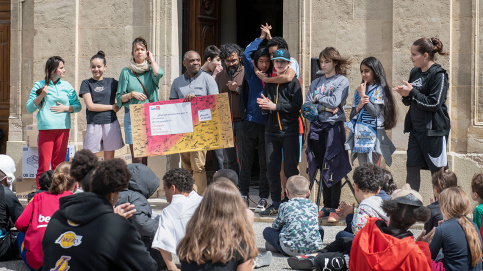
{"points": [[333, 92]]}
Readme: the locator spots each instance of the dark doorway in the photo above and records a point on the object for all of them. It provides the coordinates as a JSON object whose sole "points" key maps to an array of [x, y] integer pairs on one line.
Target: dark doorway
{"points": [[253, 13], [4, 72]]}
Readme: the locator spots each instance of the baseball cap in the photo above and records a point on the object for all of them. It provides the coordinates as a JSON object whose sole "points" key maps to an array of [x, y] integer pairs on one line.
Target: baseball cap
{"points": [[408, 196], [7, 166], [281, 54]]}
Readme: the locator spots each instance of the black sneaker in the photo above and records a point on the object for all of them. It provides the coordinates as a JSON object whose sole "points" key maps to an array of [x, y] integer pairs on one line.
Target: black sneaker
{"points": [[271, 211], [302, 262], [261, 206], [246, 200]]}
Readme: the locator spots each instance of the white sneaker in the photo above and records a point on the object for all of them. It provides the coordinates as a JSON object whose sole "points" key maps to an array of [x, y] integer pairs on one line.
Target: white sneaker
{"points": [[261, 206]]}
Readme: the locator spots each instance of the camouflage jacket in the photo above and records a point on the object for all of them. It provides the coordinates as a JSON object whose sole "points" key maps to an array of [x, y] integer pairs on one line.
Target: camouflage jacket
{"points": [[298, 221]]}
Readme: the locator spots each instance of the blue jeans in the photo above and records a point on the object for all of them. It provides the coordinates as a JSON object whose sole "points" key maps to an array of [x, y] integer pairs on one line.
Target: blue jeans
{"points": [[272, 236]]}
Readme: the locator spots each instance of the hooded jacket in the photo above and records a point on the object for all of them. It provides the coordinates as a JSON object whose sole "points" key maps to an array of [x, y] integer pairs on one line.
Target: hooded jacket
{"points": [[284, 120], [142, 186], [34, 221], [85, 234], [429, 96], [378, 247]]}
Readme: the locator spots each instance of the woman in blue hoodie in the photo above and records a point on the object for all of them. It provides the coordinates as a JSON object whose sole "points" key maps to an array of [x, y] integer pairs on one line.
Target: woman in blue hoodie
{"points": [[55, 99]]}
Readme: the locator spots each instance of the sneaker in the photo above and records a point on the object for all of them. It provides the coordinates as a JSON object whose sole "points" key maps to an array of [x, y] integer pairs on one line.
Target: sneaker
{"points": [[324, 212], [270, 247], [261, 206], [270, 211], [333, 217], [246, 200], [302, 262], [263, 259]]}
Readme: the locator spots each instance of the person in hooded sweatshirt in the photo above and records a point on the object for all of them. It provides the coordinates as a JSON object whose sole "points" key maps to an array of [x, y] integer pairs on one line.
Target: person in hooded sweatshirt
{"points": [[391, 246], [142, 186], [87, 234], [427, 120]]}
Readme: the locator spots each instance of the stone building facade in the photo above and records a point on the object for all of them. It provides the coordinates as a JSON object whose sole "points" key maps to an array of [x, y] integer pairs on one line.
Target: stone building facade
{"points": [[77, 29]]}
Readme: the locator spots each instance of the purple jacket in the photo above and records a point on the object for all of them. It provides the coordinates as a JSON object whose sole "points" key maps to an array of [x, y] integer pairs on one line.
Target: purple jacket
{"points": [[336, 160]]}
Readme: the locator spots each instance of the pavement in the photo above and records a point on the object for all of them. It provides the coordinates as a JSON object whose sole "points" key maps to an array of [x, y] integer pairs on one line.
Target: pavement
{"points": [[279, 262]]}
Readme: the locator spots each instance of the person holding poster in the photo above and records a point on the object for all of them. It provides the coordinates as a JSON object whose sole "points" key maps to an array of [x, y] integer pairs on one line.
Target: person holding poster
{"points": [[193, 83], [138, 83]]}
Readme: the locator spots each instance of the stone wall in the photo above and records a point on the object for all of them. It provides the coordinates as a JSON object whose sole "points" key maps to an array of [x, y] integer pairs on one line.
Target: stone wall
{"points": [[77, 29], [386, 29]]}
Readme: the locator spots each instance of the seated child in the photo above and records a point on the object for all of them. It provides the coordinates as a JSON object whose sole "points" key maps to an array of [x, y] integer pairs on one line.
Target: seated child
{"points": [[142, 186], [295, 231], [457, 236], [368, 180], [44, 182], [441, 180], [183, 201], [388, 186], [477, 190], [10, 210], [34, 219], [391, 246], [83, 165], [218, 236]]}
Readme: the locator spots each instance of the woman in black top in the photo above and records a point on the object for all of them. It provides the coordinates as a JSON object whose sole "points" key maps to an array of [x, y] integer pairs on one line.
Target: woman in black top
{"points": [[427, 120]]}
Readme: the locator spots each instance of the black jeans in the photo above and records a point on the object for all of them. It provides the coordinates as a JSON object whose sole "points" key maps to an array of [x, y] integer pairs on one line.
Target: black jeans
{"points": [[274, 146], [331, 194], [253, 138]]}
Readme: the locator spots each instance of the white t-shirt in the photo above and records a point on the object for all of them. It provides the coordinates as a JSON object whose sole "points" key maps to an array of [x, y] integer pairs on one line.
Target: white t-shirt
{"points": [[173, 220]]}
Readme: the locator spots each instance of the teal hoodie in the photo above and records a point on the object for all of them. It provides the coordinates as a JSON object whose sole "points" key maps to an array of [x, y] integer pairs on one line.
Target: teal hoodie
{"points": [[62, 92]]}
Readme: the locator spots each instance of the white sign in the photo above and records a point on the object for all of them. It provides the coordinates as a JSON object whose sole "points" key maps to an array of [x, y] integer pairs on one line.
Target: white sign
{"points": [[30, 162], [204, 115], [170, 119]]}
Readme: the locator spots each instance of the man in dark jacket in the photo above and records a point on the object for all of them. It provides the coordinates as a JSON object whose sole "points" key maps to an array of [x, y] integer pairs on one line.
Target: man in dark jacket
{"points": [[230, 81], [10, 210], [142, 186]]}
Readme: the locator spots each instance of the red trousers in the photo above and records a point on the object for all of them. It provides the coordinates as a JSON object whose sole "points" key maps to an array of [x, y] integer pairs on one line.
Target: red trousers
{"points": [[52, 149]]}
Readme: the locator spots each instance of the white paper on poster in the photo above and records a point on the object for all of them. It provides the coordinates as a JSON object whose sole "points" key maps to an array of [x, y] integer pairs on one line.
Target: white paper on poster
{"points": [[204, 115], [30, 162], [170, 119]]}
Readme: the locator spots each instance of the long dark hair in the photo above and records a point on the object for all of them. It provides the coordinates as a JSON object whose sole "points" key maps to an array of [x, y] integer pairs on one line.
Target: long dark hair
{"points": [[50, 67], [390, 112]]}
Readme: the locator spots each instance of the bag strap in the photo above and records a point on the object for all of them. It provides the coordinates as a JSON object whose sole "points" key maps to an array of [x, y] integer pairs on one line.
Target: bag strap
{"points": [[145, 92]]}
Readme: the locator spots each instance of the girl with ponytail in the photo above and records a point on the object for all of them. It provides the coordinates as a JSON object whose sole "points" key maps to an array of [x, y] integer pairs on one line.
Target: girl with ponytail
{"points": [[103, 132], [34, 219], [427, 120], [457, 236], [55, 100]]}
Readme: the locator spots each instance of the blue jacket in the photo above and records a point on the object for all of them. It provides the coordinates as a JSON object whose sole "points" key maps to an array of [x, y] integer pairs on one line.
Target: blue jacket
{"points": [[336, 160], [253, 111]]}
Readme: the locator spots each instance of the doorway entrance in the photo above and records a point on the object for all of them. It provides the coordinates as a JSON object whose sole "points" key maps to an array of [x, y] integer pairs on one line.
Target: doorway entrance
{"points": [[4, 72]]}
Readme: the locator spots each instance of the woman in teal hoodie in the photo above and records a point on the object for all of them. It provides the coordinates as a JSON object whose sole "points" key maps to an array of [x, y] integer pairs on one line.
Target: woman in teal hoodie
{"points": [[55, 101]]}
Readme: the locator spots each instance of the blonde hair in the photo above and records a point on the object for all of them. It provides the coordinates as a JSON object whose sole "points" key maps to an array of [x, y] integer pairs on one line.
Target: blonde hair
{"points": [[342, 64], [61, 179], [298, 186], [218, 228], [455, 203]]}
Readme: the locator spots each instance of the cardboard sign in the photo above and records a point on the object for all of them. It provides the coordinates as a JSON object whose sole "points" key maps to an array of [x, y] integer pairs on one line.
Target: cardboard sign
{"points": [[178, 126]]}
